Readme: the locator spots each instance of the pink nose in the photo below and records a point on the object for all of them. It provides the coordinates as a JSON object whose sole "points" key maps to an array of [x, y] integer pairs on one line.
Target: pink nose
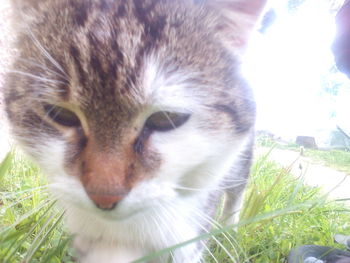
{"points": [[106, 201]]}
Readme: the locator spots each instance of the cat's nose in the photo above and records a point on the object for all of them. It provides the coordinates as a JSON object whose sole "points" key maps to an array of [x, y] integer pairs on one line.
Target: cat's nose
{"points": [[106, 201]]}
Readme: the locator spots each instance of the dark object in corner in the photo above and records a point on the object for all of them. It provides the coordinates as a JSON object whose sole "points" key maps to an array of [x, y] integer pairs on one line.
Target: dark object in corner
{"points": [[318, 254], [341, 44]]}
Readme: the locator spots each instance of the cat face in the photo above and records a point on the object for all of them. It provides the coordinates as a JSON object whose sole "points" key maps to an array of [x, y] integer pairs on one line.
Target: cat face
{"points": [[126, 104]]}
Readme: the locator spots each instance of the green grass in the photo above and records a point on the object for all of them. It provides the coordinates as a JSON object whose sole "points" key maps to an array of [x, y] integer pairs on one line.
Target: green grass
{"points": [[30, 224], [280, 213], [339, 160], [310, 218]]}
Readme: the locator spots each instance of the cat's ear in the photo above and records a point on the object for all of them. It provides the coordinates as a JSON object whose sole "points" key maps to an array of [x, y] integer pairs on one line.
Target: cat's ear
{"points": [[238, 19]]}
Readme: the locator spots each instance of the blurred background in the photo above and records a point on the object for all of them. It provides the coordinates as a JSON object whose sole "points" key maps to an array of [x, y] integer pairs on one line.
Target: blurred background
{"points": [[291, 67]]}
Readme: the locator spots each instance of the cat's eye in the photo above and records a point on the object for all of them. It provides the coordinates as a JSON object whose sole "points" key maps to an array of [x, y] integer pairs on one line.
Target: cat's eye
{"points": [[62, 116], [166, 121]]}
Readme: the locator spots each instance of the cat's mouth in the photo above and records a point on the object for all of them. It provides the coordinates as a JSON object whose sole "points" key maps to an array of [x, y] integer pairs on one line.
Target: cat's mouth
{"points": [[120, 212]]}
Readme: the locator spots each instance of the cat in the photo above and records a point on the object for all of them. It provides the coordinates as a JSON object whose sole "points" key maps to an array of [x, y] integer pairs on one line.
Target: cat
{"points": [[138, 113]]}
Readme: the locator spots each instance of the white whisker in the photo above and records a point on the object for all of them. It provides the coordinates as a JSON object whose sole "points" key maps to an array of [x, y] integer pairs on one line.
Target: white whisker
{"points": [[26, 74], [207, 231], [216, 224], [219, 188], [208, 251], [46, 53], [44, 67], [163, 236], [215, 239], [169, 119], [171, 232], [224, 185]]}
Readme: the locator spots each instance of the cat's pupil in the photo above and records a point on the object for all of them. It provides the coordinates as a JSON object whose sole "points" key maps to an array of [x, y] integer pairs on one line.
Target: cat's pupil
{"points": [[62, 116], [166, 121]]}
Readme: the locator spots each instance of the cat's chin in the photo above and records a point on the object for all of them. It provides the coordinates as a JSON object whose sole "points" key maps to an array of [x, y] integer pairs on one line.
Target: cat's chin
{"points": [[120, 214]]}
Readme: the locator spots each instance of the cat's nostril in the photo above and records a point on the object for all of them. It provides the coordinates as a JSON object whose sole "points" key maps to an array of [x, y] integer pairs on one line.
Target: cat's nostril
{"points": [[108, 207], [106, 201]]}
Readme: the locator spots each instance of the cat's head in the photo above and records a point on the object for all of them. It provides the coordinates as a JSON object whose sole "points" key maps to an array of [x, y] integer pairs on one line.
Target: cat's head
{"points": [[131, 102]]}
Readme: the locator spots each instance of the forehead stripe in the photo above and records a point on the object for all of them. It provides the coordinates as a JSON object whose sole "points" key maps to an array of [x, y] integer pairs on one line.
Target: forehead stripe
{"points": [[75, 54]]}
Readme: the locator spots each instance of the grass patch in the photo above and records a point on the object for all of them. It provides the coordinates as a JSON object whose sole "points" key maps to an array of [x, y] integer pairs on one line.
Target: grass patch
{"points": [[280, 213], [30, 224], [309, 217], [337, 159]]}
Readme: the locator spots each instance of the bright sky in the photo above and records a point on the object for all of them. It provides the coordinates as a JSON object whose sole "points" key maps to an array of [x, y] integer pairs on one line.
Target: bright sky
{"points": [[286, 67]]}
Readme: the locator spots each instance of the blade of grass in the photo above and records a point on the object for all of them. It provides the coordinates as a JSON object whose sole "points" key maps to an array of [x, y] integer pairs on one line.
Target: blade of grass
{"points": [[30, 232], [5, 165], [38, 242], [25, 216]]}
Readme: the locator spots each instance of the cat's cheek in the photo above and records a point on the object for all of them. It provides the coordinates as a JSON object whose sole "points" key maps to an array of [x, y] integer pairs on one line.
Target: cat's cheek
{"points": [[146, 195], [189, 149], [51, 157], [69, 191], [197, 159], [48, 153]]}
